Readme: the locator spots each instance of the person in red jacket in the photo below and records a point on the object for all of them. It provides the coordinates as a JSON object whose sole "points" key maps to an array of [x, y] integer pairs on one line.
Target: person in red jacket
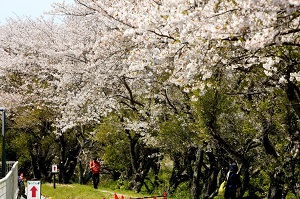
{"points": [[95, 168]]}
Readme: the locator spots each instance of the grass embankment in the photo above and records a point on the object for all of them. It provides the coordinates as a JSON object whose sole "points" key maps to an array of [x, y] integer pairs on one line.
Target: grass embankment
{"points": [[77, 191]]}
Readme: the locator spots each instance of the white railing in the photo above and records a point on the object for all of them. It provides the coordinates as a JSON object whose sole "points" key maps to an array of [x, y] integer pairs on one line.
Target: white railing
{"points": [[9, 184]]}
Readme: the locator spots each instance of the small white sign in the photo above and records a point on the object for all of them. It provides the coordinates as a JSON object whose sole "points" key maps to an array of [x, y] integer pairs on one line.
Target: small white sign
{"points": [[33, 190], [54, 168]]}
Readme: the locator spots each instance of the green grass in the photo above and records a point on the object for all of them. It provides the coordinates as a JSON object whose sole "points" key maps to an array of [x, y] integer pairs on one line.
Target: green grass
{"points": [[77, 191]]}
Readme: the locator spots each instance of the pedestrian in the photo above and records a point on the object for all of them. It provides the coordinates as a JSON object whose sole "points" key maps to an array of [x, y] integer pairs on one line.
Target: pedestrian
{"points": [[95, 168], [21, 187], [233, 182]]}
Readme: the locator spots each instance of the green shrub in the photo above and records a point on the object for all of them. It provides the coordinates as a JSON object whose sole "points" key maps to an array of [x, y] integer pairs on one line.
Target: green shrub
{"points": [[183, 191]]}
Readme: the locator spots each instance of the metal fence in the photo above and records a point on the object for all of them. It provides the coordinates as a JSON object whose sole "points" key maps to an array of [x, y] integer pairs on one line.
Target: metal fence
{"points": [[9, 165], [9, 184]]}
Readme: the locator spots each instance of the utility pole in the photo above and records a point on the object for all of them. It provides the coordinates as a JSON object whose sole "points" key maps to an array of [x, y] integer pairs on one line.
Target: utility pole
{"points": [[3, 144]]}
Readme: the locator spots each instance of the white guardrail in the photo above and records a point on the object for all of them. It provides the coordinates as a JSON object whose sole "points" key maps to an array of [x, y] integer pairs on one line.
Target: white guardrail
{"points": [[9, 184]]}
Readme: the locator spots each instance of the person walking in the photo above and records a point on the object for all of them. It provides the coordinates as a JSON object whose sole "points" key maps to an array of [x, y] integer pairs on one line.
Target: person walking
{"points": [[95, 168], [233, 182], [21, 187]]}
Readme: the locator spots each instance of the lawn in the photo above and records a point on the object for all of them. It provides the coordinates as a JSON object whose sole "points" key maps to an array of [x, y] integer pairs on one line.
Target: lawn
{"points": [[77, 191]]}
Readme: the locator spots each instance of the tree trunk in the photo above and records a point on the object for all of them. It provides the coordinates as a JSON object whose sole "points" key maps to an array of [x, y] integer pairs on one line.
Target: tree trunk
{"points": [[142, 160], [195, 188], [68, 159], [35, 167], [293, 94], [246, 177], [211, 179], [177, 175], [276, 186]]}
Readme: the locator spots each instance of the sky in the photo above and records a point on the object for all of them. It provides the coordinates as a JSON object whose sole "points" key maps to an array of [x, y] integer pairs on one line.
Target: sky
{"points": [[22, 8]]}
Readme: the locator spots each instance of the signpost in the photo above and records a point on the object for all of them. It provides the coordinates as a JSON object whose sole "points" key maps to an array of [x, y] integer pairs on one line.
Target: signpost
{"points": [[33, 190], [54, 171], [54, 168]]}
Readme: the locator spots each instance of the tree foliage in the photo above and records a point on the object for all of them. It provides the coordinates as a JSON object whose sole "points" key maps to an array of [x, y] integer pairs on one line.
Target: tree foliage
{"points": [[204, 83]]}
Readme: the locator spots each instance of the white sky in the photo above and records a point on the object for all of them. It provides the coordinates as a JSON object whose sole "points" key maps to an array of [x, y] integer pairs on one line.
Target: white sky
{"points": [[22, 8]]}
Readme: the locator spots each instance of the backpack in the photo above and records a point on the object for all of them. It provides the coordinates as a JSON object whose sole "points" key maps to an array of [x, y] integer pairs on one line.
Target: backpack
{"points": [[221, 191]]}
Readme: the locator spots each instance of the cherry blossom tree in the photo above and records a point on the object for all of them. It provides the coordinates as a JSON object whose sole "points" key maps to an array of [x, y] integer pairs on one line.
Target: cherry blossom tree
{"points": [[154, 62]]}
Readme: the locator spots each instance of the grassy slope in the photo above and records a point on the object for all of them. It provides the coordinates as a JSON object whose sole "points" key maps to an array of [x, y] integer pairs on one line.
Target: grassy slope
{"points": [[77, 191]]}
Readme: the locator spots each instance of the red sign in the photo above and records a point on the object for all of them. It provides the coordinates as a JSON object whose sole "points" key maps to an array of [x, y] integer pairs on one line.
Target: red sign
{"points": [[33, 190]]}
